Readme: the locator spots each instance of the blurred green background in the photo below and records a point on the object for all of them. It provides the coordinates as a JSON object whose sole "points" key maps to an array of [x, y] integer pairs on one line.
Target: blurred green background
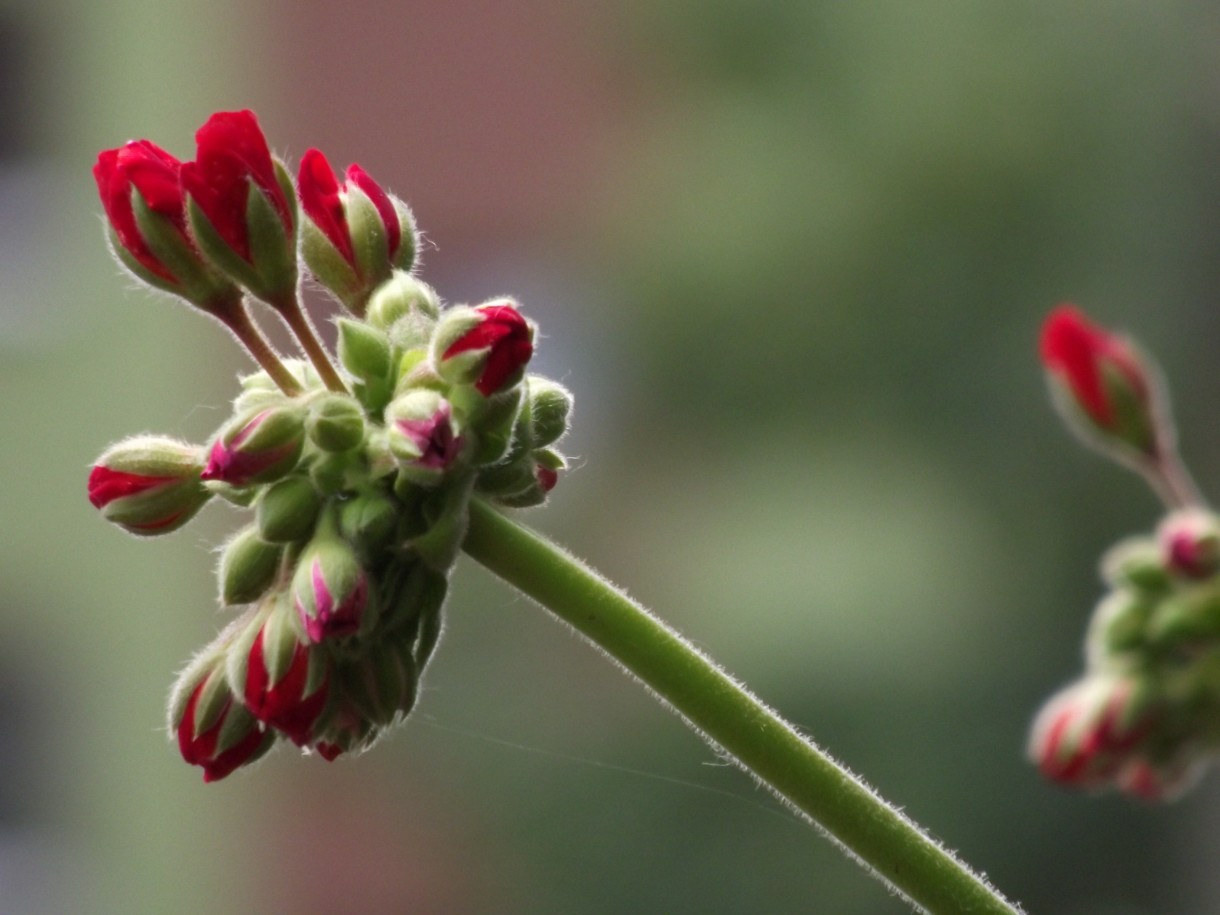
{"points": [[792, 258]]}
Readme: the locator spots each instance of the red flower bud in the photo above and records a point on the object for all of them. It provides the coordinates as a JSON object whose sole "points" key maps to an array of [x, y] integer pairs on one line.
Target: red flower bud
{"points": [[488, 346], [1103, 381], [148, 484], [1088, 732], [150, 171], [286, 684], [330, 590], [356, 233], [258, 449], [217, 733], [1190, 543], [141, 191], [547, 477], [422, 435], [231, 159], [242, 212]]}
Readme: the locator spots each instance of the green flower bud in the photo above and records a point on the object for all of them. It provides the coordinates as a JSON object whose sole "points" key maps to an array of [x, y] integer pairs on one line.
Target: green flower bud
{"points": [[1136, 563], [1118, 626], [401, 297], [368, 522], [364, 350], [287, 510], [248, 566], [1191, 615], [335, 422], [550, 405]]}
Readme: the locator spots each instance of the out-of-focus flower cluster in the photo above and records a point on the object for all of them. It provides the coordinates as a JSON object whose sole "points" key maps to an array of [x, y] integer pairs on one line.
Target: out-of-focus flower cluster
{"points": [[1145, 716], [358, 471]]}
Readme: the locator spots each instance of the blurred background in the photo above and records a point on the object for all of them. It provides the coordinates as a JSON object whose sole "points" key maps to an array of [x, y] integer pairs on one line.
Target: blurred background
{"points": [[792, 258]]}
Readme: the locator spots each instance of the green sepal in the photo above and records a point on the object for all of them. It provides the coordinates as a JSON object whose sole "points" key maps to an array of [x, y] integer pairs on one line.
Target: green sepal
{"points": [[272, 245], [217, 250], [495, 422], [329, 267], [196, 282], [364, 350]]}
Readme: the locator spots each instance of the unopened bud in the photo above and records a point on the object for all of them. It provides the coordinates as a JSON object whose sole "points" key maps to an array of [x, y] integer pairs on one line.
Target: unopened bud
{"points": [[287, 510], [1106, 389], [331, 591], [423, 436], [213, 728], [335, 423], [1190, 543], [257, 448], [148, 484], [364, 350], [248, 566], [550, 405], [282, 680], [1136, 563], [486, 347], [401, 297]]}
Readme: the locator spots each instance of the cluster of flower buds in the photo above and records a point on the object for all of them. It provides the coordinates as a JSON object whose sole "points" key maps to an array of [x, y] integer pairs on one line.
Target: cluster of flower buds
{"points": [[358, 471], [1145, 716]]}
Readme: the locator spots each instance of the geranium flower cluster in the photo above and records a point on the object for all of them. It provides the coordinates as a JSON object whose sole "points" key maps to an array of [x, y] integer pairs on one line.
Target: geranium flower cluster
{"points": [[1145, 716], [358, 470]]}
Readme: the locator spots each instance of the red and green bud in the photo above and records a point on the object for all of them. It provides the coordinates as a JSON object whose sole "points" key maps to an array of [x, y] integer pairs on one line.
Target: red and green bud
{"points": [[141, 191], [148, 484], [288, 510], [355, 233], [241, 205], [214, 730], [258, 448], [1106, 389], [487, 347], [331, 590], [1086, 734], [1190, 543], [423, 436], [248, 567], [283, 681]]}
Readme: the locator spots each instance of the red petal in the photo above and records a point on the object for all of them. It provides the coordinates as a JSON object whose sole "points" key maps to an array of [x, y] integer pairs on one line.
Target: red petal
{"points": [[322, 202], [381, 200]]}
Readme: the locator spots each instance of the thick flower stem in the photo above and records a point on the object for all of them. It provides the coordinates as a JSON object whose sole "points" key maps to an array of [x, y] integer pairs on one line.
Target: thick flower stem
{"points": [[247, 333], [893, 848], [298, 322]]}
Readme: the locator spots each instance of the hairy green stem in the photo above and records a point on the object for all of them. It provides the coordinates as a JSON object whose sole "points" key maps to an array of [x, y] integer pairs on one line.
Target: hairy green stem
{"points": [[290, 309], [867, 828]]}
